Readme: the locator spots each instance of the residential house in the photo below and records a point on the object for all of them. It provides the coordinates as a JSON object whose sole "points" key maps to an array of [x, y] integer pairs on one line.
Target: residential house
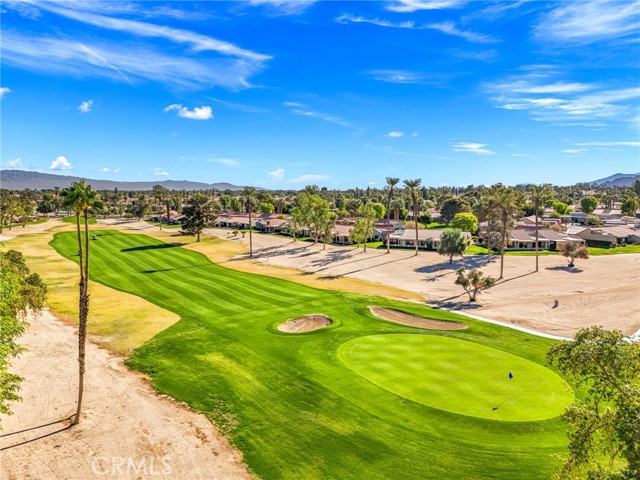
{"points": [[610, 236], [428, 239]]}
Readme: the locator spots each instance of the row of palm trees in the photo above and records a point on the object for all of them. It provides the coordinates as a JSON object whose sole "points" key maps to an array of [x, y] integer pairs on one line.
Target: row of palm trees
{"points": [[501, 205]]}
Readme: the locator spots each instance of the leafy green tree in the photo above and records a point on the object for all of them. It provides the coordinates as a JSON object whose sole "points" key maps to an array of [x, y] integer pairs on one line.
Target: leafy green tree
{"points": [[412, 187], [327, 222], [368, 215], [604, 426], [539, 194], [392, 182], [140, 207], [358, 234], [589, 203], [452, 243], [465, 221], [451, 207], [573, 250], [80, 198], [266, 207], [560, 207], [249, 199], [198, 213], [473, 282], [630, 206], [636, 187], [47, 203], [21, 291], [8, 203]]}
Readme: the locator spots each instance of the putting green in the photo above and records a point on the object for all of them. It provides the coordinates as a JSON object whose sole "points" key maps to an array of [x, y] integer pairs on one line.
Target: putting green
{"points": [[458, 376]]}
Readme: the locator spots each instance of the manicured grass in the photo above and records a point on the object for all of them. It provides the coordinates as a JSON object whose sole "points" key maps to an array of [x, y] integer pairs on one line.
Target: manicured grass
{"points": [[614, 250], [72, 219], [287, 400], [459, 376]]}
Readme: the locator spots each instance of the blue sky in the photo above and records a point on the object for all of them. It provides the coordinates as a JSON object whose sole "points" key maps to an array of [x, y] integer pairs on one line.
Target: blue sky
{"points": [[281, 94]]}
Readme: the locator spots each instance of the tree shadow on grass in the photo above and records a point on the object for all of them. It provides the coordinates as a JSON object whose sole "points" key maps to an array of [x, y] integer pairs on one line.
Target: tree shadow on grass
{"points": [[171, 269], [153, 247]]}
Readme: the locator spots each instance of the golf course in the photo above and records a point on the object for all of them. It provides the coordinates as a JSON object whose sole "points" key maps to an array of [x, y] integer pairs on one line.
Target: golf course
{"points": [[359, 398]]}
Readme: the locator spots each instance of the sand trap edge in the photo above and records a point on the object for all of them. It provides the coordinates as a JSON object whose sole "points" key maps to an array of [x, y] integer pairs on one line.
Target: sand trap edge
{"points": [[403, 318], [308, 323]]}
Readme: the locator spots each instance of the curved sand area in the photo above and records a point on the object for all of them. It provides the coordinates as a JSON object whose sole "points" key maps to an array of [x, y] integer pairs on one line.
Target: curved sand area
{"points": [[397, 316], [308, 323]]}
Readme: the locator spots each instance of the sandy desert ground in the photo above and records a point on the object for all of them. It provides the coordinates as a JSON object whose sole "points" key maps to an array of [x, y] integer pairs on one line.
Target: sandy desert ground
{"points": [[123, 419]]}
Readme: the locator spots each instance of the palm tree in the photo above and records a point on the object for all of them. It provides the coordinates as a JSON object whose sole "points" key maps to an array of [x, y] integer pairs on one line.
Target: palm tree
{"points": [[80, 198], [504, 203], [538, 195], [413, 186], [391, 183], [249, 199], [159, 192]]}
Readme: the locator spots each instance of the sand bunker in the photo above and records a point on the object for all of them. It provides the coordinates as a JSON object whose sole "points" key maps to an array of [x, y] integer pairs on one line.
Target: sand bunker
{"points": [[414, 320], [307, 323]]}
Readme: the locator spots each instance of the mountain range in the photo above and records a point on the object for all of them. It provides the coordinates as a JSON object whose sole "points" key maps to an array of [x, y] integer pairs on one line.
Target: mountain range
{"points": [[617, 180], [21, 179]]}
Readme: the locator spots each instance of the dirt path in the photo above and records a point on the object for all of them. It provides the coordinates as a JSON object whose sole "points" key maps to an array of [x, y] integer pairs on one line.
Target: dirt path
{"points": [[123, 419]]}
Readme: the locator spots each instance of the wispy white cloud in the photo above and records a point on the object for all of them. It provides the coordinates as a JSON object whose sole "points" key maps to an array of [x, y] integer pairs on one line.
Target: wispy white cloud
{"points": [[407, 6], [105, 170], [116, 170], [381, 22], [395, 134], [608, 144], [196, 41], [277, 174], [239, 106], [4, 91], [197, 113], [563, 103], [85, 106], [160, 173], [310, 178], [189, 59], [450, 28], [396, 76], [574, 151], [284, 7], [227, 162], [60, 163], [15, 163], [587, 22], [478, 148], [305, 111]]}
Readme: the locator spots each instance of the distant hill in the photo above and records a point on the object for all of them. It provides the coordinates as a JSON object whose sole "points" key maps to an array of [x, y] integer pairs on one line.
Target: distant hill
{"points": [[618, 180], [21, 179]]}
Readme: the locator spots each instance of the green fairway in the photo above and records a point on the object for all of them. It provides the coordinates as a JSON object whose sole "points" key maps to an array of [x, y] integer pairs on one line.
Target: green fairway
{"points": [[458, 376], [290, 403]]}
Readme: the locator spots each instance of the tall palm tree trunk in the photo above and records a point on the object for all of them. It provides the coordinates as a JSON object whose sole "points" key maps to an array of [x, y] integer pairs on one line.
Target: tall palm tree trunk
{"points": [[250, 236], [536, 207], [503, 244], [415, 220], [83, 309]]}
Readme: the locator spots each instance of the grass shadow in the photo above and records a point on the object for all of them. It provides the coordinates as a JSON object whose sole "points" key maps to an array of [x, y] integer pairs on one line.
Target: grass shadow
{"points": [[153, 247]]}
